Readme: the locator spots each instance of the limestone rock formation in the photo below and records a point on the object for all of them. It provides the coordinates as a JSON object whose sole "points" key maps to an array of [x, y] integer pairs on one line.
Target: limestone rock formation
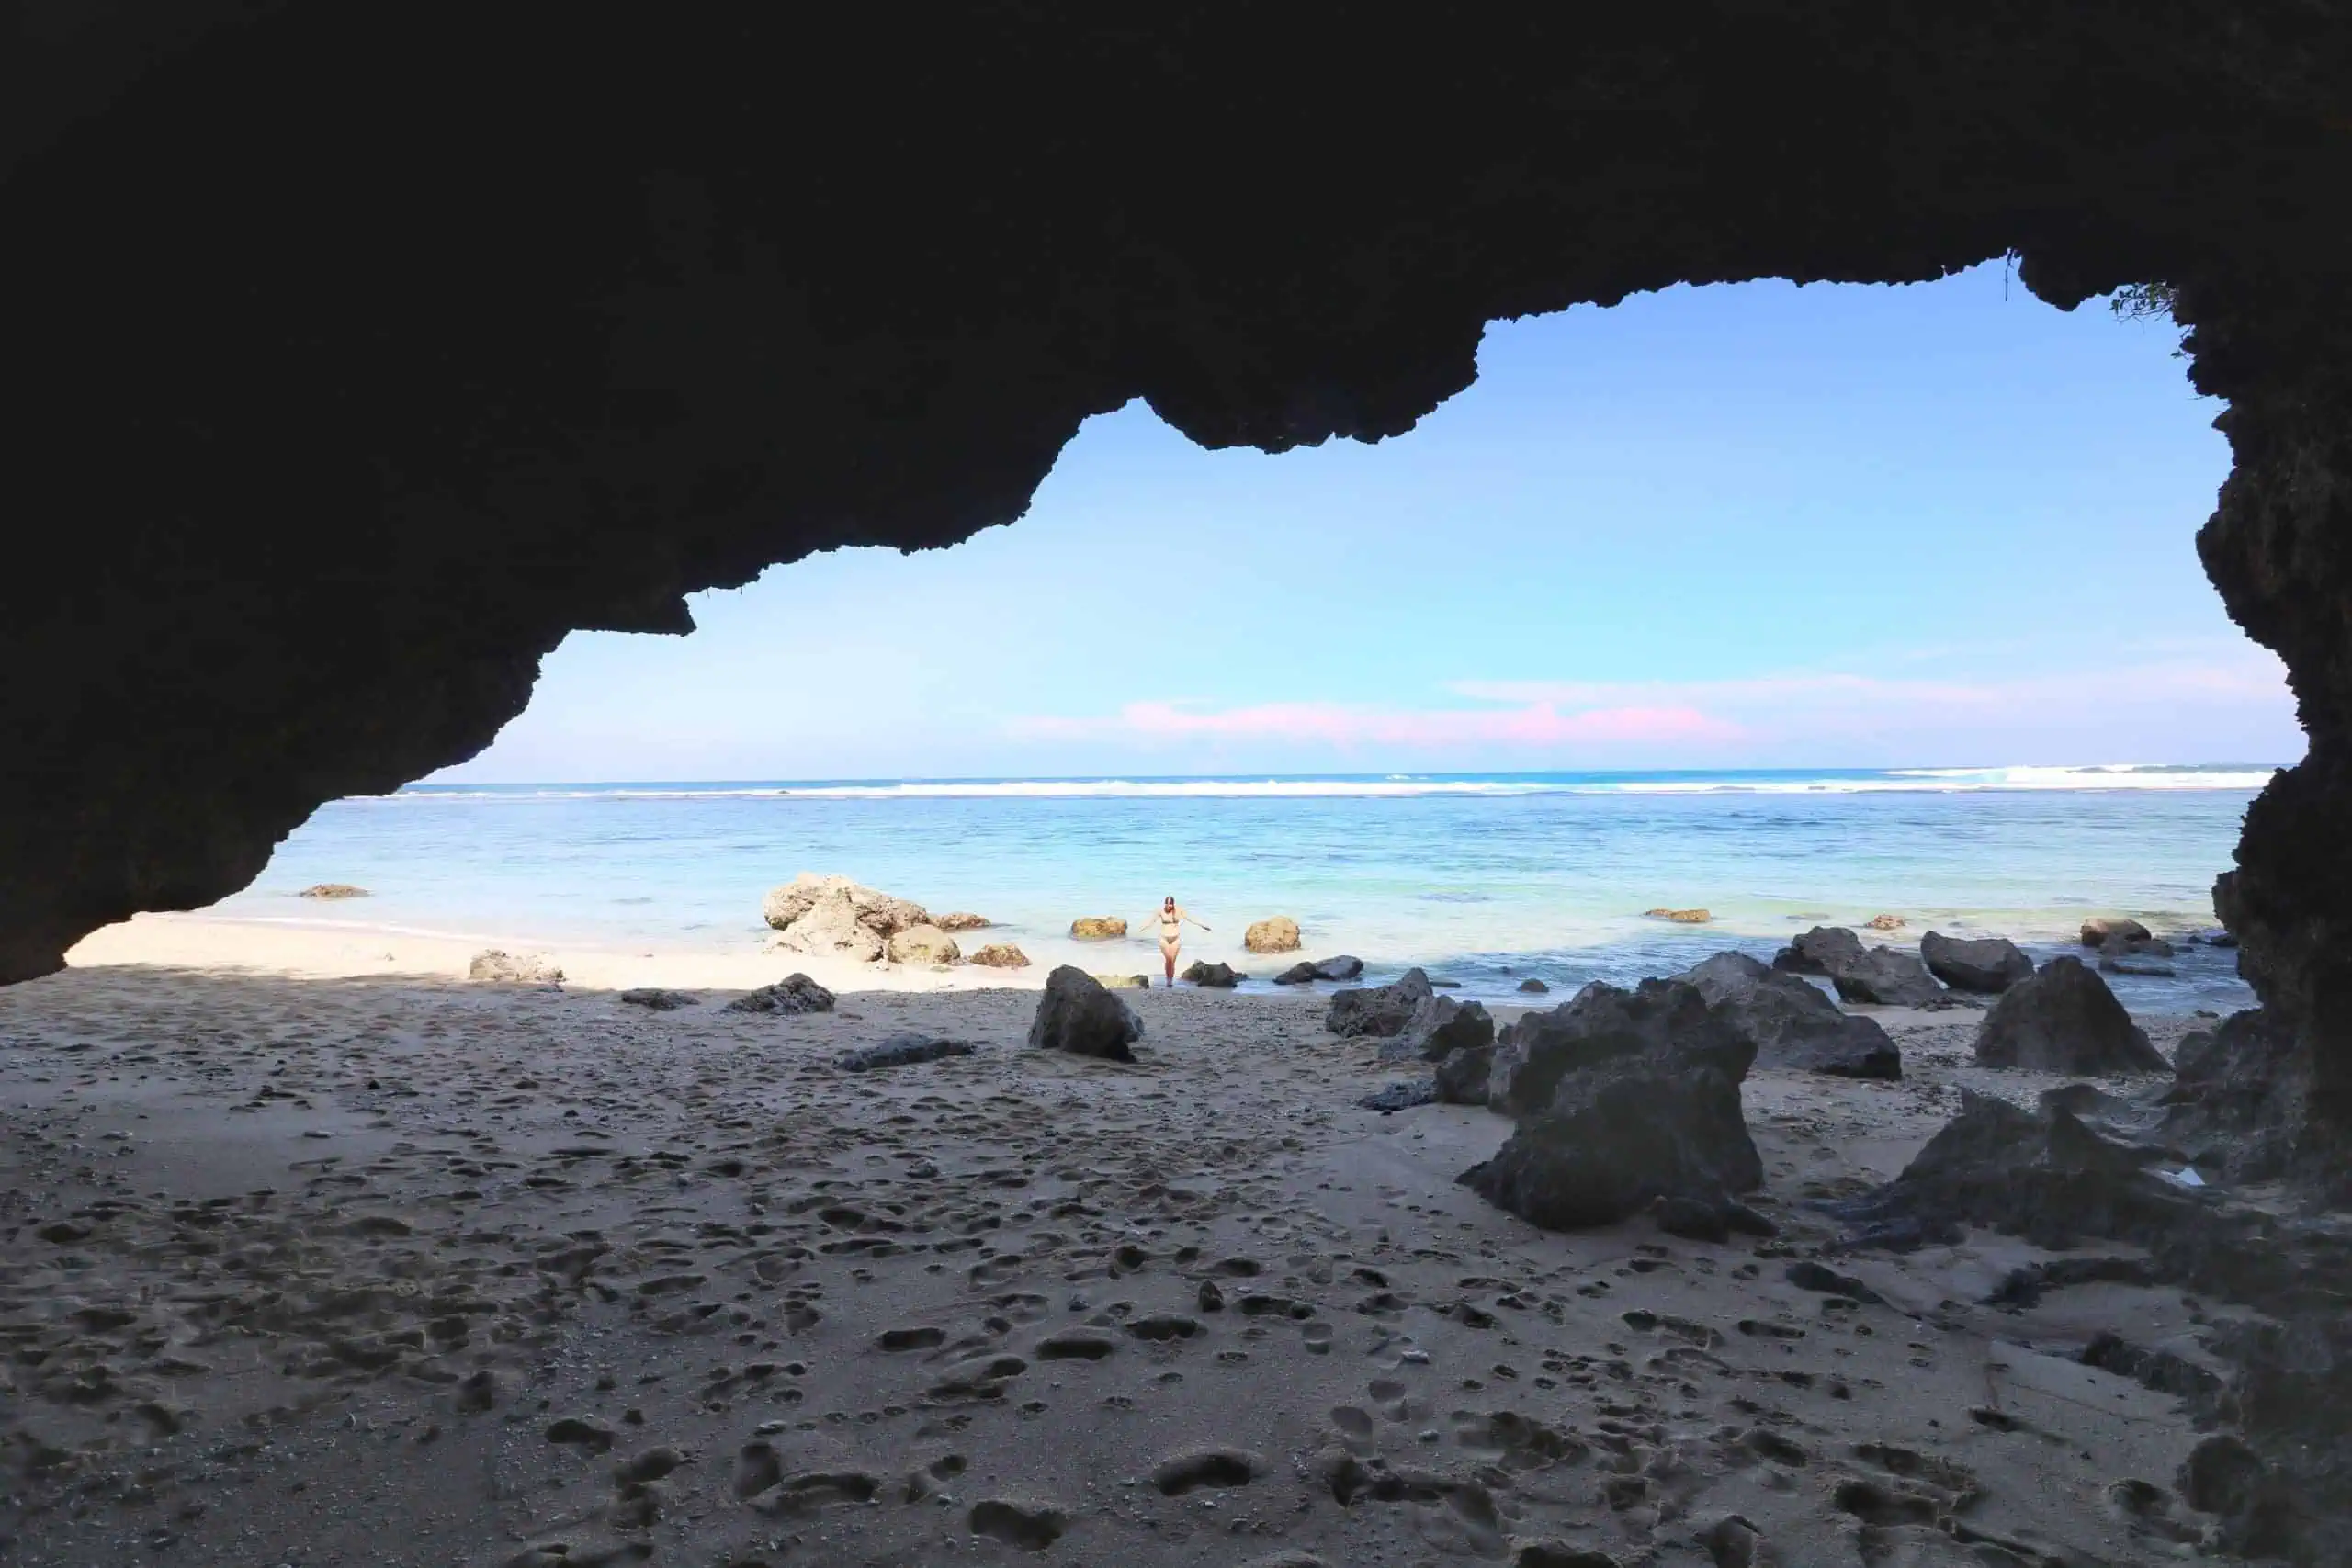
{"points": [[493, 964], [1986, 965], [1377, 1011], [1817, 949], [924, 944], [1886, 922], [1680, 916], [1623, 1098], [1276, 934], [1219, 977], [1886, 976], [1122, 982], [962, 920], [1079, 1015], [1788, 1023], [826, 915], [2063, 1018], [332, 890], [1000, 955], [793, 994], [1098, 928], [1436, 1027]]}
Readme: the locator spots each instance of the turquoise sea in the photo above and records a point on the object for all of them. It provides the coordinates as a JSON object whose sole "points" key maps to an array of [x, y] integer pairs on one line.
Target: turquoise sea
{"points": [[1484, 878]]}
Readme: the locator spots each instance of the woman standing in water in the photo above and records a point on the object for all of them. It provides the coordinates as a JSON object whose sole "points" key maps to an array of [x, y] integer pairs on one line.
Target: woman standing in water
{"points": [[1172, 931]]}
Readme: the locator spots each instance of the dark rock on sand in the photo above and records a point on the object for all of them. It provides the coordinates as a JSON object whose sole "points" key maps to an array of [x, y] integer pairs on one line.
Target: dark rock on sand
{"points": [[899, 1051], [2239, 1096], [2097, 929], [1986, 964], [2064, 1020], [1437, 1026], [1791, 1025], [1220, 976], [658, 999], [1625, 1097], [1820, 1278], [1462, 1075], [1533, 985], [1888, 978], [1403, 1095], [1380, 1011], [794, 993], [1812, 953], [1076, 1014]]}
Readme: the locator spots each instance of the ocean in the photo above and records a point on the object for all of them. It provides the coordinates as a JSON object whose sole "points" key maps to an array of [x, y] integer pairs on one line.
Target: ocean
{"points": [[1481, 878]]}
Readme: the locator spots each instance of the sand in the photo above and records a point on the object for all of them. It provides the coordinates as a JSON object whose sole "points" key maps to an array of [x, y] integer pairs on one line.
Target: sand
{"points": [[315, 1265]]}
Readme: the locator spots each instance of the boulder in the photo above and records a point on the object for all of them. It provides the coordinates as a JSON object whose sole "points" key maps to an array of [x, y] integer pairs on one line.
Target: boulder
{"points": [[1462, 1075], [1812, 953], [2144, 967], [1098, 928], [826, 915], [901, 1051], [1381, 1010], [490, 964], [1888, 978], [1079, 1015], [1000, 955], [1886, 922], [657, 1000], [924, 944], [1680, 916], [1791, 1025], [1623, 1098], [2097, 929], [1436, 1027], [1533, 986], [1122, 982], [793, 994], [1346, 967], [2240, 1096], [332, 890], [2121, 947], [1220, 976], [1401, 1096], [963, 920], [1986, 964], [2063, 1018], [1297, 975], [1277, 934]]}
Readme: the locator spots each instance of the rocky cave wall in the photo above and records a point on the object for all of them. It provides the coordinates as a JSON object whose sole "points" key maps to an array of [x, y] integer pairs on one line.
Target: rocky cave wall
{"points": [[361, 351]]}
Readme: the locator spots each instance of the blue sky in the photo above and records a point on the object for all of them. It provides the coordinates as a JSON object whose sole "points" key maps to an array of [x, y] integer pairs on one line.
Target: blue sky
{"points": [[1741, 526]]}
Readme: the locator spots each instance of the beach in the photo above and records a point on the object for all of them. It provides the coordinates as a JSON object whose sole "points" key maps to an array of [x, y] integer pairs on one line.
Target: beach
{"points": [[326, 1256]]}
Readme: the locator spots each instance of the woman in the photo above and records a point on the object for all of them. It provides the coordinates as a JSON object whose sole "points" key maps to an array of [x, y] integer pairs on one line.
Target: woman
{"points": [[1172, 929]]}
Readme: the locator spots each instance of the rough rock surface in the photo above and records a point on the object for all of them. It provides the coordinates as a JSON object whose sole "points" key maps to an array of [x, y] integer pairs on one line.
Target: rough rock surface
{"points": [[1888, 977], [333, 890], [1986, 964], [1000, 955], [901, 1051], [1817, 949], [793, 994], [1276, 934], [2063, 1018], [824, 914], [2099, 930], [1462, 1075], [1886, 922], [1402, 1095], [1680, 916], [1533, 986], [1377, 1010], [1625, 1097], [1789, 1025], [1079, 1015], [1098, 928], [962, 920], [492, 964], [2238, 1099], [1122, 982], [924, 944], [657, 1000], [1437, 1026], [1222, 977]]}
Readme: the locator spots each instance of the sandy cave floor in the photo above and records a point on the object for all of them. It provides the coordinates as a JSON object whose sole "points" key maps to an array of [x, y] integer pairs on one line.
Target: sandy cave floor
{"points": [[400, 1271]]}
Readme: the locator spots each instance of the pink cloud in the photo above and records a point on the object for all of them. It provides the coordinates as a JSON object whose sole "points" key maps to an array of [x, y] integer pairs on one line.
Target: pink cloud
{"points": [[1533, 724]]}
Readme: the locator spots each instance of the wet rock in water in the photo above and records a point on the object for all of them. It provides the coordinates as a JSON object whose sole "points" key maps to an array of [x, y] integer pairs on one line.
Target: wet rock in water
{"points": [[1812, 953], [1277, 934], [828, 915], [793, 994], [332, 890], [963, 920], [900, 1051], [658, 1000], [2144, 968], [1078, 1015], [2239, 1097], [1679, 917], [1623, 1098], [1346, 967], [1533, 986], [1403, 1095], [1462, 1075], [1000, 955], [2064, 1020], [1122, 982], [1791, 1025], [494, 964], [2135, 947], [1380, 1011], [924, 944], [1436, 1026], [1888, 978], [1297, 975], [1098, 928], [2097, 929], [1886, 922], [1986, 964], [2214, 937], [1220, 976]]}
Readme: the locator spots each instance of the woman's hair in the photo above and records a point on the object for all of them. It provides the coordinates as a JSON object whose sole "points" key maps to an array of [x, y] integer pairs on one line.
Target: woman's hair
{"points": [[1170, 900]]}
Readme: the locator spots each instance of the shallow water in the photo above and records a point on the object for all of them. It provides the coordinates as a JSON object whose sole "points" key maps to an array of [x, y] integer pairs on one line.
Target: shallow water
{"points": [[1483, 878]]}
